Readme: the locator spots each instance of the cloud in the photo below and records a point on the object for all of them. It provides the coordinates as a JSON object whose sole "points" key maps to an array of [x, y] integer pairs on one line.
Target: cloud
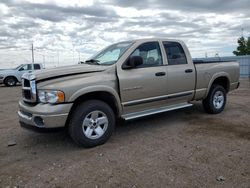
{"points": [[71, 27], [220, 6], [55, 13]]}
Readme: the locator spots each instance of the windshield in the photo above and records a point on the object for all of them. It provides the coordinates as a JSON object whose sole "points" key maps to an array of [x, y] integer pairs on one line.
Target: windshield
{"points": [[19, 66], [111, 54]]}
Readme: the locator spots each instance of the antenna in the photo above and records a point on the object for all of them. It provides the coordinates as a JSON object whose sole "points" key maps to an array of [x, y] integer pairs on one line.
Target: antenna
{"points": [[33, 60]]}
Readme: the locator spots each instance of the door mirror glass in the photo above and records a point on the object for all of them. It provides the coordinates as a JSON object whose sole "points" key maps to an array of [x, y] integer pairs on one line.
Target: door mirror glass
{"points": [[133, 62]]}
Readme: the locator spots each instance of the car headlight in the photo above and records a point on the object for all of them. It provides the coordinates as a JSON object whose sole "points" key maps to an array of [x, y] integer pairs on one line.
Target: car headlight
{"points": [[53, 97], [1, 76]]}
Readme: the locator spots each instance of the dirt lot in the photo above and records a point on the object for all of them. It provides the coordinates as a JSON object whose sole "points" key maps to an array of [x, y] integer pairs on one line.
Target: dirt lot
{"points": [[185, 148]]}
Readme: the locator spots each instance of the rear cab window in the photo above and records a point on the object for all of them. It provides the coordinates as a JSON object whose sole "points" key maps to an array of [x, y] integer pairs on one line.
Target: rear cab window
{"points": [[175, 53], [37, 67]]}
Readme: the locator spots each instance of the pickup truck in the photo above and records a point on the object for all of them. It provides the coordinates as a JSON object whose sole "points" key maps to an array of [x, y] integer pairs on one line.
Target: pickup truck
{"points": [[126, 80], [10, 77]]}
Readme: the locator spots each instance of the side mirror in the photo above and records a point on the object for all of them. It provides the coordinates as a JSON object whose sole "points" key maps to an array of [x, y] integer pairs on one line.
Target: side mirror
{"points": [[132, 62], [21, 69]]}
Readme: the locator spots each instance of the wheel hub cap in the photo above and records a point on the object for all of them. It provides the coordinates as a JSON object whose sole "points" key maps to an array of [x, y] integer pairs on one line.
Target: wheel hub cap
{"points": [[218, 99], [95, 124]]}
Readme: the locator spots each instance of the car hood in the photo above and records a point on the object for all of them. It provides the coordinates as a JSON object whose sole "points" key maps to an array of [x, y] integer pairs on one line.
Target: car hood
{"points": [[58, 72], [6, 71]]}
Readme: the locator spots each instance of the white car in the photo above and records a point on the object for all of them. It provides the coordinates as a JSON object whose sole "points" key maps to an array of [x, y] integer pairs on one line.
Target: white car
{"points": [[10, 77]]}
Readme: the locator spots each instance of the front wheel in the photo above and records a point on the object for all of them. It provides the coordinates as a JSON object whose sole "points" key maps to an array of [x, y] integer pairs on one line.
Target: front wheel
{"points": [[10, 81], [216, 100], [92, 123]]}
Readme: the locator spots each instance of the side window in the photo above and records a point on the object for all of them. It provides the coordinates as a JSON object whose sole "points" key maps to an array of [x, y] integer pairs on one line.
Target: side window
{"points": [[37, 67], [150, 53], [175, 53], [29, 67]]}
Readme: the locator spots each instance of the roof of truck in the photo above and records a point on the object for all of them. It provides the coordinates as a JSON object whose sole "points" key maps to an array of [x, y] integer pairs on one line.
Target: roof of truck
{"points": [[153, 39]]}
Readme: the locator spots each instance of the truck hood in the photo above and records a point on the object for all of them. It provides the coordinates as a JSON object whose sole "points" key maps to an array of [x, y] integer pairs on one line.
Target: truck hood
{"points": [[6, 71], [58, 72]]}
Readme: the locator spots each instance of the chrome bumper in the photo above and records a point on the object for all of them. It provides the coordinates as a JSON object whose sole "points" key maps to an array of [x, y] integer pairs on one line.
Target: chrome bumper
{"points": [[44, 115]]}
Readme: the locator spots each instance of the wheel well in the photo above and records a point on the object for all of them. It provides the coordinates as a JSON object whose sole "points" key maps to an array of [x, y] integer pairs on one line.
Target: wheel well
{"points": [[10, 77], [99, 95], [222, 81]]}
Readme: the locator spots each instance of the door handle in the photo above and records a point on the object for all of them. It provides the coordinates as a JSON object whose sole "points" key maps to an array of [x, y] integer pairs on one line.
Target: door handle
{"points": [[188, 70], [160, 74]]}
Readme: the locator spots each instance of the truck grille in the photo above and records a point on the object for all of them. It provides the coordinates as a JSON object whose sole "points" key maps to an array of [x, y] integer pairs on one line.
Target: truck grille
{"points": [[26, 94], [29, 88]]}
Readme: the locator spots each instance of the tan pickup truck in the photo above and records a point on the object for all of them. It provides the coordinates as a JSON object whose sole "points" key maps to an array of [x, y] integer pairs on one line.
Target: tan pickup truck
{"points": [[126, 80]]}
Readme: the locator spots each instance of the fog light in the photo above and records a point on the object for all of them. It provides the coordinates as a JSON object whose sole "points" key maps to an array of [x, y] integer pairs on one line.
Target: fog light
{"points": [[39, 121]]}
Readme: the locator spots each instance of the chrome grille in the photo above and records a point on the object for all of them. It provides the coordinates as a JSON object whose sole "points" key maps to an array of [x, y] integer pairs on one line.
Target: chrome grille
{"points": [[29, 88]]}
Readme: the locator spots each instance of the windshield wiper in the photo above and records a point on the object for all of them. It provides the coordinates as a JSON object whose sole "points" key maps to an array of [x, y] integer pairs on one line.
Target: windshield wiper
{"points": [[93, 61]]}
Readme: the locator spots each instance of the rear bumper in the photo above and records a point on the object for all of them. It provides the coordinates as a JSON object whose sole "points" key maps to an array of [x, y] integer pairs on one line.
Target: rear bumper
{"points": [[238, 85], [43, 115], [234, 85]]}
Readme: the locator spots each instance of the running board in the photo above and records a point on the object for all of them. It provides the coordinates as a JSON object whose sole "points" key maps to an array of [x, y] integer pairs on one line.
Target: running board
{"points": [[135, 115]]}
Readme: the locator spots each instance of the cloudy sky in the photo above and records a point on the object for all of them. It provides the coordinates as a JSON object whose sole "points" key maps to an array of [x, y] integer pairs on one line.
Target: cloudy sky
{"points": [[64, 31]]}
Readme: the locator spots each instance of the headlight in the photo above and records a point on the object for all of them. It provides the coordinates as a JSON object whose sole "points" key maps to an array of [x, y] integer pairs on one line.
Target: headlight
{"points": [[47, 96], [1, 76]]}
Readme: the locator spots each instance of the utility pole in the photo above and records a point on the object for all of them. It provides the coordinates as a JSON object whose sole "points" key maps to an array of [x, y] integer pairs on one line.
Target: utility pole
{"points": [[78, 56], [32, 50]]}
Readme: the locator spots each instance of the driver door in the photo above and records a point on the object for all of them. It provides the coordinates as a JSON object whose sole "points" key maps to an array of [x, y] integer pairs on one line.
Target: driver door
{"points": [[142, 87], [24, 69]]}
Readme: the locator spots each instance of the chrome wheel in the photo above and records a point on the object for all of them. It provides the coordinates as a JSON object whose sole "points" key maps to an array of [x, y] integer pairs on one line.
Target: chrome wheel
{"points": [[218, 99], [95, 124]]}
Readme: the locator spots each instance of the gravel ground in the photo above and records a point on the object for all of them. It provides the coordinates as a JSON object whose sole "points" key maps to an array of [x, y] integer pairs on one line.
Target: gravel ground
{"points": [[185, 148]]}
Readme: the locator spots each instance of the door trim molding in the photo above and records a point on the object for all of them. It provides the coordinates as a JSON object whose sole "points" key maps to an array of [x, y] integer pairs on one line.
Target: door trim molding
{"points": [[158, 98]]}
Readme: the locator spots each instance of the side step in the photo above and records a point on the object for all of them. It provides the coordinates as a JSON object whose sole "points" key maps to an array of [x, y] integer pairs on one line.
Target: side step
{"points": [[135, 115]]}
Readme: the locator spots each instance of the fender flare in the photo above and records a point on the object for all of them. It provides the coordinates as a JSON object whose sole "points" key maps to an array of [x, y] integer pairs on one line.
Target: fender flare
{"points": [[98, 88], [214, 77], [10, 76]]}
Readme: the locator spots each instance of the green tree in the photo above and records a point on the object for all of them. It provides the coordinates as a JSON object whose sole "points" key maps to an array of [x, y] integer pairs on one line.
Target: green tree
{"points": [[248, 46], [243, 47]]}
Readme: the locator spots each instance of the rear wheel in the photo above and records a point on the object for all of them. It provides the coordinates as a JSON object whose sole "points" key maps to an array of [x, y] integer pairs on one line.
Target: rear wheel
{"points": [[92, 123], [216, 100], [10, 81]]}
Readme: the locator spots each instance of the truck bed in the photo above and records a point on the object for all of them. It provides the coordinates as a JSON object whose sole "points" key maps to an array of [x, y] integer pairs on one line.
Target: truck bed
{"points": [[206, 71]]}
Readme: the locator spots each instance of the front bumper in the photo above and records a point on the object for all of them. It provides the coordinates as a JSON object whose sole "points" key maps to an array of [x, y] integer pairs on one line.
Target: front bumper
{"points": [[44, 115], [1, 80]]}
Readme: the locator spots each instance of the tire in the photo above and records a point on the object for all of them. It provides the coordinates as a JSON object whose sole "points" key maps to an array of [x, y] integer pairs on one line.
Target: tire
{"points": [[92, 123], [10, 81], [216, 100]]}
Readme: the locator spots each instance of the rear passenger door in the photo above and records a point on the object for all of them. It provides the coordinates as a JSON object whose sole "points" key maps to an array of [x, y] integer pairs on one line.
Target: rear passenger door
{"points": [[180, 71]]}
